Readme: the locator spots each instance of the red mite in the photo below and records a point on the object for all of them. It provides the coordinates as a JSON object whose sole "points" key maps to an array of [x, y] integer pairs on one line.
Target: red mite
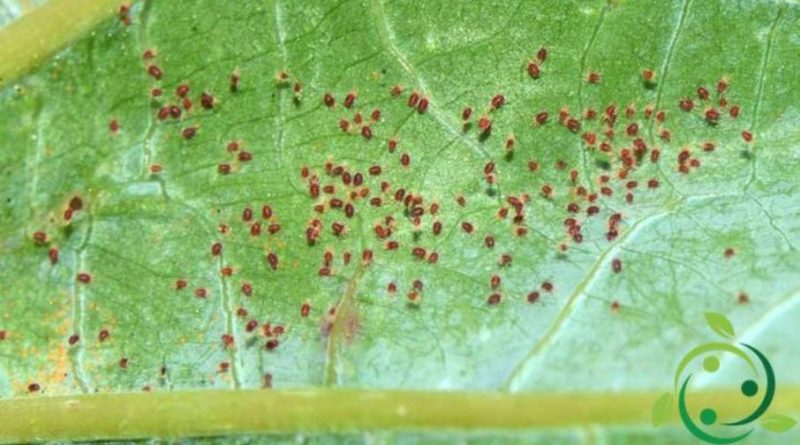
{"points": [[207, 100], [533, 70], [350, 99], [189, 132], [155, 72], [422, 106]]}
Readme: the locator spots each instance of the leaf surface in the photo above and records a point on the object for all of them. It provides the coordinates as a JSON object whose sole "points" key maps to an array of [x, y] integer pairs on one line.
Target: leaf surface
{"points": [[623, 307]]}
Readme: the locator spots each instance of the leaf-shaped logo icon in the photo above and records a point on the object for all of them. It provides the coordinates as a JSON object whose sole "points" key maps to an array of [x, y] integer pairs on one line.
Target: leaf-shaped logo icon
{"points": [[720, 324], [662, 410], [778, 423]]}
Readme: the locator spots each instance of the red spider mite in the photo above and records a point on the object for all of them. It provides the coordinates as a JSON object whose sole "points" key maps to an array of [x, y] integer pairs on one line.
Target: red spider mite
{"points": [[419, 252], [103, 335], [632, 129], [547, 191], [665, 135], [52, 254], [148, 54], [247, 214], [182, 90], [533, 70], [505, 259], [397, 90], [573, 125], [722, 85], [494, 281], [272, 259], [654, 155], [255, 229], [510, 143], [743, 298], [156, 92], [376, 115], [747, 136], [630, 110], [73, 339], [234, 80], [392, 144], [712, 115], [358, 119], [241, 312], [422, 107], [245, 156], [729, 252], [113, 125], [652, 183], [227, 340], [734, 112], [648, 75], [494, 299], [189, 132], [328, 100], [541, 55], [366, 132], [466, 113], [34, 387], [187, 104], [593, 77], [180, 284], [207, 100], [686, 105], [366, 256], [224, 169], [413, 99], [461, 200], [266, 211], [702, 93], [437, 228], [533, 297], [39, 237], [216, 249], [541, 118], [467, 227], [485, 125], [84, 278], [123, 363], [350, 99], [709, 146], [247, 289], [155, 72], [547, 286], [661, 116], [200, 292], [433, 258], [405, 160], [498, 101], [615, 306]]}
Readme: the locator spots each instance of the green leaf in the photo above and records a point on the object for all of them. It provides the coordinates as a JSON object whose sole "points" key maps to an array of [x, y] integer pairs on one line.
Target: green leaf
{"points": [[603, 322], [778, 423], [720, 324], [662, 409]]}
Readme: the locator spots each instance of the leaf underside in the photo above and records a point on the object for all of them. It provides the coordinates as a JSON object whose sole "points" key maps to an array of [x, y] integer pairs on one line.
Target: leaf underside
{"points": [[599, 303]]}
